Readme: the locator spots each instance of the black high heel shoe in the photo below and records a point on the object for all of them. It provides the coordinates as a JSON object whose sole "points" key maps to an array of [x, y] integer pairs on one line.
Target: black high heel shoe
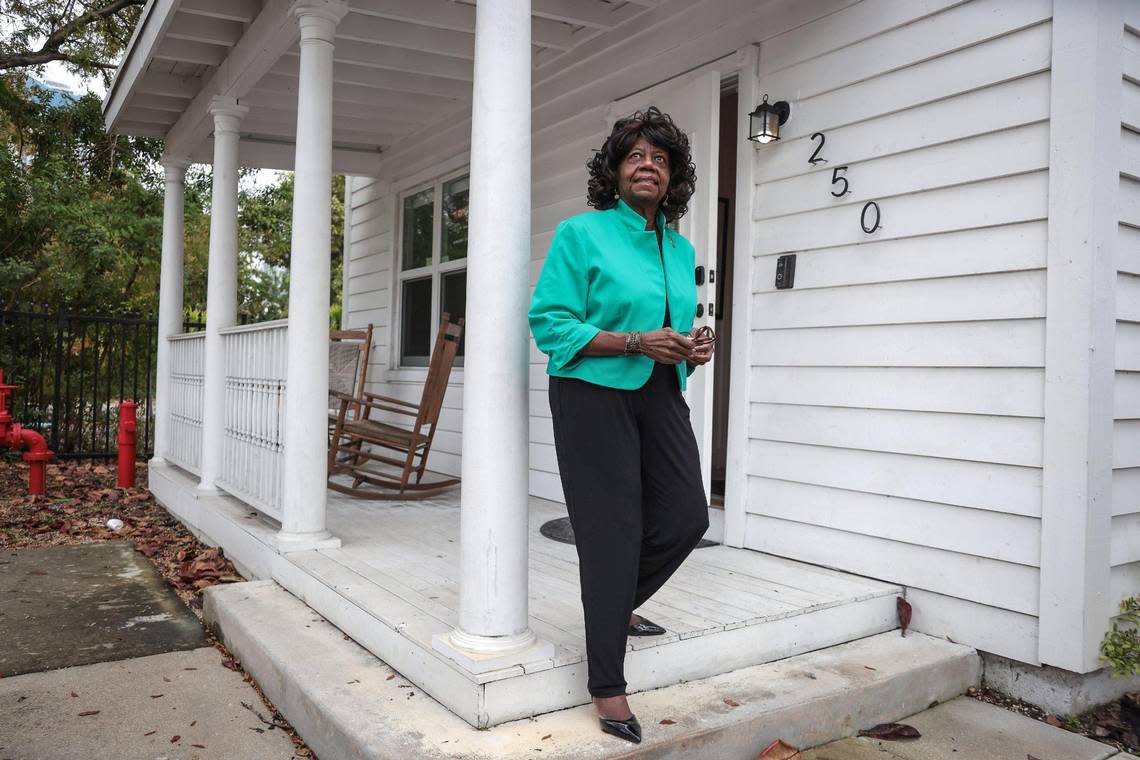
{"points": [[628, 729], [645, 627]]}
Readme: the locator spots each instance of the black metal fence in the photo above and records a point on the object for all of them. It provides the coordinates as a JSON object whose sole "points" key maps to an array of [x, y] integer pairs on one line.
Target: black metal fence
{"points": [[73, 370]]}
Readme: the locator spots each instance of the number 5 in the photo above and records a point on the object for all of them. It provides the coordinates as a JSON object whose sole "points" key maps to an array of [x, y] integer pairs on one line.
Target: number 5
{"points": [[836, 178]]}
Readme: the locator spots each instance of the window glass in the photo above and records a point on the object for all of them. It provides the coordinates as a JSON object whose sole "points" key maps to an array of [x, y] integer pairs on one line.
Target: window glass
{"points": [[417, 231], [454, 300], [455, 196], [415, 321]]}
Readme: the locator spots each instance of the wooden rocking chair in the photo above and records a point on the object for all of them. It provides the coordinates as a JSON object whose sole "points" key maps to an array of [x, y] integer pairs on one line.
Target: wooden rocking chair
{"points": [[352, 433]]}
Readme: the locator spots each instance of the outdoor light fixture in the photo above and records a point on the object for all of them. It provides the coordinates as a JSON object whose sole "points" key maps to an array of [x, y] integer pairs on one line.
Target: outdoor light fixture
{"points": [[764, 122]]}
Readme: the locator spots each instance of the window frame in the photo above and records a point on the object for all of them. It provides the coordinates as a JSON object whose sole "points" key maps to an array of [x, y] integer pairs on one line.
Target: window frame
{"points": [[435, 269]]}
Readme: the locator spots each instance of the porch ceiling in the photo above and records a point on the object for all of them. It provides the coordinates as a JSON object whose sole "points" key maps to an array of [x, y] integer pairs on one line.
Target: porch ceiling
{"points": [[399, 66]]}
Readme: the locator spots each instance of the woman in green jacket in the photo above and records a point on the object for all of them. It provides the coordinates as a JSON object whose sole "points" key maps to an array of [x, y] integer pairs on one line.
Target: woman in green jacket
{"points": [[613, 309]]}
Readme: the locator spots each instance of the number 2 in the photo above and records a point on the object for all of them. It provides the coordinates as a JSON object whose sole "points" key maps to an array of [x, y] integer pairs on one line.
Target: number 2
{"points": [[818, 148]]}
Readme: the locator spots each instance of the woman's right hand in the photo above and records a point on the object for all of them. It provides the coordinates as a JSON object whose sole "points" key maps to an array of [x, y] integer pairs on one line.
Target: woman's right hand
{"points": [[667, 345]]}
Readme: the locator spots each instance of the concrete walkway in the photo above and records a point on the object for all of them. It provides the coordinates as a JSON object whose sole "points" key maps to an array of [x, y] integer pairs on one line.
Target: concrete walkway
{"points": [[100, 660], [180, 706], [966, 729]]}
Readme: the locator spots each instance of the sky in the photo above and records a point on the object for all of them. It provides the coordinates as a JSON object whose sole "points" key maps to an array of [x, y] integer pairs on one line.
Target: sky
{"points": [[56, 72]]}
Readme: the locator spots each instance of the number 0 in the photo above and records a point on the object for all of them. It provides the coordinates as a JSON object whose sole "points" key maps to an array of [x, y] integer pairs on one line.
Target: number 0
{"points": [[863, 217]]}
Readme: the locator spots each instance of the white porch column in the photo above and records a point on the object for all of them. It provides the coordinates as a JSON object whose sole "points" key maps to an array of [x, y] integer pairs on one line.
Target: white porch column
{"points": [[307, 372], [493, 523], [169, 293], [221, 281]]}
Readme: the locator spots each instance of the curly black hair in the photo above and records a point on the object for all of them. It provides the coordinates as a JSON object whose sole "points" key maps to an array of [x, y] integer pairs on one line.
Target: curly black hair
{"points": [[658, 128]]}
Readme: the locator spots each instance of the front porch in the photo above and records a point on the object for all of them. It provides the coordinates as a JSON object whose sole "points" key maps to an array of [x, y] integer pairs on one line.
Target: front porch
{"points": [[393, 585]]}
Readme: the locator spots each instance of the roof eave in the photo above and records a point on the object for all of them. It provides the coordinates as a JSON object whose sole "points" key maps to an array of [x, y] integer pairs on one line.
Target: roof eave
{"points": [[153, 23]]}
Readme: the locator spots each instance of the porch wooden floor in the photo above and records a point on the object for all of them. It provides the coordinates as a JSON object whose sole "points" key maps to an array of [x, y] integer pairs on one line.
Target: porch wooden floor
{"points": [[411, 550]]}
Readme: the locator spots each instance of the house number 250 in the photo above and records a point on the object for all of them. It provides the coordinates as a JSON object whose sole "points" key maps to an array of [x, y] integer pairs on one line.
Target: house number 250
{"points": [[836, 178]]}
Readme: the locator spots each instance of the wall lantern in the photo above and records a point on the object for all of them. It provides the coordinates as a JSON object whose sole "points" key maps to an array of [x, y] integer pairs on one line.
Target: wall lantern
{"points": [[765, 121]]}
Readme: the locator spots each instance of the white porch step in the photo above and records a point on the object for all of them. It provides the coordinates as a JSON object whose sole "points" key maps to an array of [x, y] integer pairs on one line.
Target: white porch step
{"points": [[346, 704], [394, 585]]}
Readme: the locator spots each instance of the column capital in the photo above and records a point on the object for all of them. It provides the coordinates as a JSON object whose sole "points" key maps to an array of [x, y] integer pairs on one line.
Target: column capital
{"points": [[175, 168], [318, 18], [227, 113]]}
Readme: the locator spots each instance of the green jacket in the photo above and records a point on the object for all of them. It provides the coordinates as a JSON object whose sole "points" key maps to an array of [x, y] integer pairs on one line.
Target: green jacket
{"points": [[603, 272]]}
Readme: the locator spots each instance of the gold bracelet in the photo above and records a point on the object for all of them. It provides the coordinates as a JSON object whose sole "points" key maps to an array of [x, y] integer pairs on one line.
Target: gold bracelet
{"points": [[633, 343]]}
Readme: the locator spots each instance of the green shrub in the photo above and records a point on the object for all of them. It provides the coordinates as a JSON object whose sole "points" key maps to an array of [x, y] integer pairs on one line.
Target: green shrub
{"points": [[1121, 646]]}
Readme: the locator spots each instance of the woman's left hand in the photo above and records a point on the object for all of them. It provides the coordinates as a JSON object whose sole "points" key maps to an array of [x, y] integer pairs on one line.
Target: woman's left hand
{"points": [[702, 354]]}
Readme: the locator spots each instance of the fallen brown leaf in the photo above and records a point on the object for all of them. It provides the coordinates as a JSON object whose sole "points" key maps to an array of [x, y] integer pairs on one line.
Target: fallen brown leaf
{"points": [[74, 694], [731, 702], [148, 733], [174, 738], [891, 732], [1053, 721], [904, 610], [88, 712], [155, 696], [779, 750], [199, 746], [546, 737], [667, 722]]}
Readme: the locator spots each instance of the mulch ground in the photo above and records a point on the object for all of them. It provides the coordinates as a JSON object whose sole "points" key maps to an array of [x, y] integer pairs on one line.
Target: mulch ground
{"points": [[1116, 723], [81, 498]]}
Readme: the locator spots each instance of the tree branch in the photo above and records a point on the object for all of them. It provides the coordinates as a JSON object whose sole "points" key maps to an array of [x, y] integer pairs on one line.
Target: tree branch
{"points": [[50, 50]]}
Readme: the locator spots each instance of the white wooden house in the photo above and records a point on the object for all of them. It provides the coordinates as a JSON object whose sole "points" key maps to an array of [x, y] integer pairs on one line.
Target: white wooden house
{"points": [[948, 404]]}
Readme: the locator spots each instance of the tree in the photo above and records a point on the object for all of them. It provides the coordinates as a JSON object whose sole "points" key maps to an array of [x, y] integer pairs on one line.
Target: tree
{"points": [[82, 209], [265, 233], [89, 37], [82, 217]]}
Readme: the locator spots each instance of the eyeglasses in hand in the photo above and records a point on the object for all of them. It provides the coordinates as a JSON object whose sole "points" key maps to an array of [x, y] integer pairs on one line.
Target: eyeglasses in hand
{"points": [[703, 336]]}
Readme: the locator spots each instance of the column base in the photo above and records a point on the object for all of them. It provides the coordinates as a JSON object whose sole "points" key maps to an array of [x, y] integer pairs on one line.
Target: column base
{"points": [[299, 542], [482, 654]]}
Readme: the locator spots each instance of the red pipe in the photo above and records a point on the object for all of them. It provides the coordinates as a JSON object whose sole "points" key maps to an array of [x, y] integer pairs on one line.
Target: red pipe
{"points": [[16, 437], [128, 440]]}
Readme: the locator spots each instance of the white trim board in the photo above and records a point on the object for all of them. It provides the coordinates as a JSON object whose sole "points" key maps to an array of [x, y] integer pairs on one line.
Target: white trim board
{"points": [[1084, 144]]}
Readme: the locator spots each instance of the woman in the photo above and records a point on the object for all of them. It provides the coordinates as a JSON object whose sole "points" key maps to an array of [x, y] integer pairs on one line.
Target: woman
{"points": [[612, 307]]}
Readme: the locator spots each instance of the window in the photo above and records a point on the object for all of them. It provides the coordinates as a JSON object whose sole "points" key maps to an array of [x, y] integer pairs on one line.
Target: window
{"points": [[432, 275]]}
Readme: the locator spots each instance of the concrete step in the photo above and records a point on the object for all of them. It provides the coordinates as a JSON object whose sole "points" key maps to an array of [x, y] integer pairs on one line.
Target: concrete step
{"points": [[348, 704]]}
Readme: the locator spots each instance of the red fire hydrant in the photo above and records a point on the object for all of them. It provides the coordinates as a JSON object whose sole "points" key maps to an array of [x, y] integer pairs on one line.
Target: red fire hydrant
{"points": [[14, 436], [128, 442]]}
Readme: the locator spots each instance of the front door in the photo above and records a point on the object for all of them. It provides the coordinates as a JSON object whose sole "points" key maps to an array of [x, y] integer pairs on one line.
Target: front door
{"points": [[693, 101]]}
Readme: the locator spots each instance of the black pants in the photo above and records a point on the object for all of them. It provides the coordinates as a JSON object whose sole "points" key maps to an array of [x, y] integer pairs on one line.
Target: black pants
{"points": [[631, 475]]}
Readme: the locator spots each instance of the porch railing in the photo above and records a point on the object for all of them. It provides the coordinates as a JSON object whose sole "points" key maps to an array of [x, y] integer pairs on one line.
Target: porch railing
{"points": [[253, 449], [187, 364]]}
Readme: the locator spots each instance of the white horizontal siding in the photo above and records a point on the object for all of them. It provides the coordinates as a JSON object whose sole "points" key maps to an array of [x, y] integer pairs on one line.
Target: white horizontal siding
{"points": [[896, 421], [1125, 551], [978, 485], [989, 629]]}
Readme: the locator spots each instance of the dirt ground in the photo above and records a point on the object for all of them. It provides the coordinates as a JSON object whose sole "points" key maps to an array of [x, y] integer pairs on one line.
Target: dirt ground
{"points": [[81, 498]]}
